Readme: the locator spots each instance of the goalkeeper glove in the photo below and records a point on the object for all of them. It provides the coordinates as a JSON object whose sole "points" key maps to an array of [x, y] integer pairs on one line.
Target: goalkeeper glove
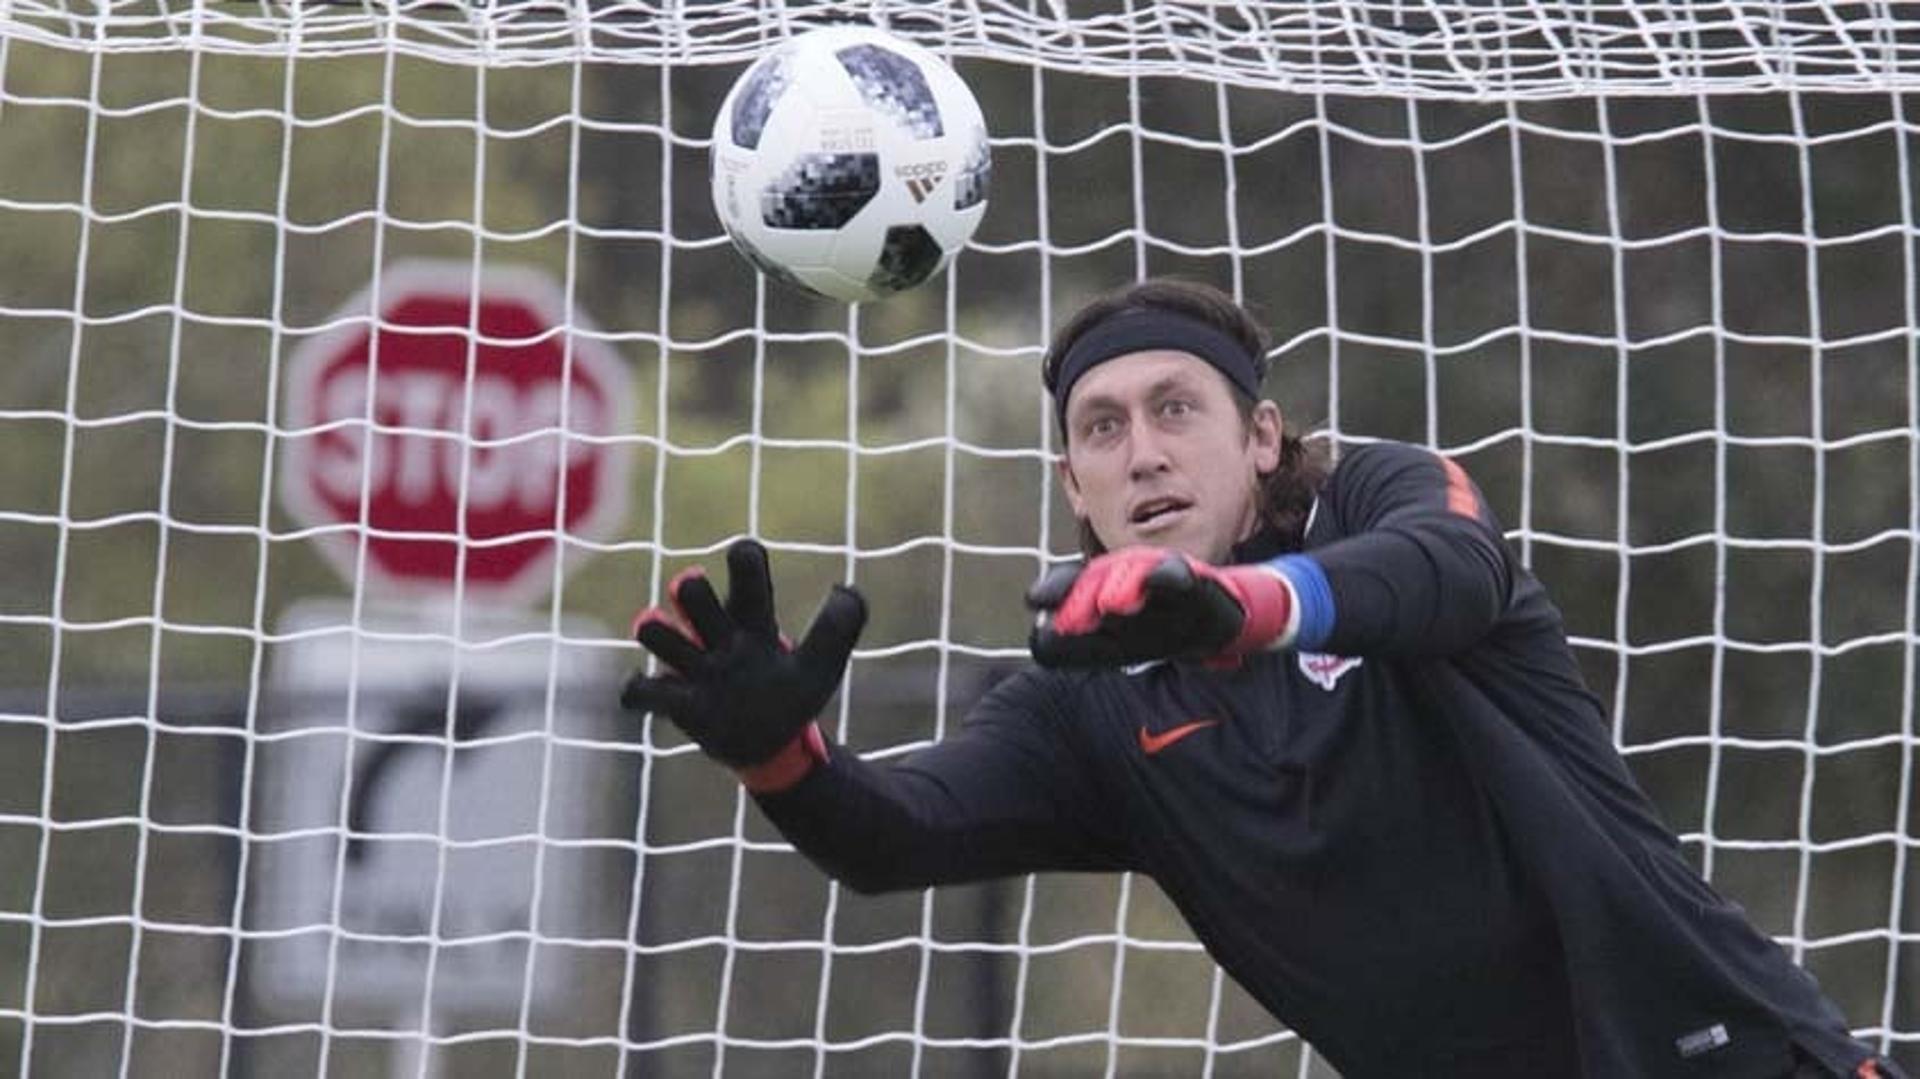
{"points": [[736, 687], [1148, 603]]}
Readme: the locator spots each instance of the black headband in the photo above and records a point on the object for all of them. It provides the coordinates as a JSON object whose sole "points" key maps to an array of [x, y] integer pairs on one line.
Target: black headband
{"points": [[1138, 329]]}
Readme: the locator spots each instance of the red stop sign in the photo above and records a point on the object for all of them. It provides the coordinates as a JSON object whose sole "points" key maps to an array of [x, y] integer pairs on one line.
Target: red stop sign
{"points": [[447, 434]]}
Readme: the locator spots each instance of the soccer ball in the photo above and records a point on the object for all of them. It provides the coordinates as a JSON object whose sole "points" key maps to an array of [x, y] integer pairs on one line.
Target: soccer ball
{"points": [[850, 163]]}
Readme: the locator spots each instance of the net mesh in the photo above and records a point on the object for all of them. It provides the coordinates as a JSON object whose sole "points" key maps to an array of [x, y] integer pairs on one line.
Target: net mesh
{"points": [[1415, 48], [1646, 270]]}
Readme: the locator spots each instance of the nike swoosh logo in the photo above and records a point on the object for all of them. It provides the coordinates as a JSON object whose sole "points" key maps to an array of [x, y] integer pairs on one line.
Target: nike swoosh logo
{"points": [[1153, 743]]}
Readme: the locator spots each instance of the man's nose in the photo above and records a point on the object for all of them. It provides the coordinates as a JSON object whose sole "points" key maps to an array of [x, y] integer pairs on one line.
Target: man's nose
{"points": [[1148, 453]]}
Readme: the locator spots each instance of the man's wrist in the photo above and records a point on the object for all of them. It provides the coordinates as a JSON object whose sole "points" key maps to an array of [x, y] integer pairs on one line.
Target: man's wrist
{"points": [[1313, 613], [1272, 610], [788, 766]]}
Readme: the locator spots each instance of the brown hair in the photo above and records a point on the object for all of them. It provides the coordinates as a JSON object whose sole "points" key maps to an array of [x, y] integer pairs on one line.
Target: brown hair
{"points": [[1286, 494]]}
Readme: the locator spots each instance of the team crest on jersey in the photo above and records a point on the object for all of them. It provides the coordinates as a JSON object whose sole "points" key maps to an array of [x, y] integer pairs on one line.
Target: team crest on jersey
{"points": [[1324, 670]]}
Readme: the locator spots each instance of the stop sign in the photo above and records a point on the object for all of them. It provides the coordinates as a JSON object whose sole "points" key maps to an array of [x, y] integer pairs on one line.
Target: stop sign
{"points": [[457, 432]]}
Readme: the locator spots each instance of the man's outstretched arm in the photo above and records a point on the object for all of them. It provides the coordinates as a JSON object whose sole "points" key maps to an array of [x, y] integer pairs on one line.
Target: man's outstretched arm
{"points": [[1005, 795], [1419, 566], [1409, 562]]}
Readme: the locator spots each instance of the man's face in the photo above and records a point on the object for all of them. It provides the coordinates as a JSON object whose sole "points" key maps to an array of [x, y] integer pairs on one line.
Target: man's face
{"points": [[1157, 454]]}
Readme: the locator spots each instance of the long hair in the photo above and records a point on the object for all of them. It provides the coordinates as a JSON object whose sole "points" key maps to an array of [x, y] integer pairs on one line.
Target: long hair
{"points": [[1285, 494]]}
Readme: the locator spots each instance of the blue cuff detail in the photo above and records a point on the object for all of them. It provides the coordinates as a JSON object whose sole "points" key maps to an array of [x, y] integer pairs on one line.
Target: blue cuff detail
{"points": [[1316, 599]]}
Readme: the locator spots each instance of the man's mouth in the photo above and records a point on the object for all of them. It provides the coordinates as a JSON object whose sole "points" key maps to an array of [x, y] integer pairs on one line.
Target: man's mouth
{"points": [[1154, 510]]}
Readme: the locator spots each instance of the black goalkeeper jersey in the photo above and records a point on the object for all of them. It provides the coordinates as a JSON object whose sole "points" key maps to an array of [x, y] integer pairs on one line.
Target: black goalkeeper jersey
{"points": [[1410, 837]]}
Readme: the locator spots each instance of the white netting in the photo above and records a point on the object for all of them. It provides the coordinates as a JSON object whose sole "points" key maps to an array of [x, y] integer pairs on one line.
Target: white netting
{"points": [[1500, 49], [1654, 292]]}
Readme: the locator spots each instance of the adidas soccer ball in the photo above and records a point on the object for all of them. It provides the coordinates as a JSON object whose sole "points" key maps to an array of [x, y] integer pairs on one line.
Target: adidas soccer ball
{"points": [[850, 162]]}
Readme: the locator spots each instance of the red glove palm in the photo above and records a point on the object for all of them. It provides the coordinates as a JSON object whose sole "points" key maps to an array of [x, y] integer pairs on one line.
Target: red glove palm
{"points": [[1147, 603]]}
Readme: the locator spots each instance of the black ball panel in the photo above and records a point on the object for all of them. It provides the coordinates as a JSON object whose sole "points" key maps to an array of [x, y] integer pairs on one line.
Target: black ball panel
{"points": [[895, 87], [909, 256], [970, 186], [821, 191], [764, 85]]}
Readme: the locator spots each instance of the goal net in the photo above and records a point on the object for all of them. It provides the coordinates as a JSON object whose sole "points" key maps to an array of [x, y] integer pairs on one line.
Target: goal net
{"points": [[275, 802]]}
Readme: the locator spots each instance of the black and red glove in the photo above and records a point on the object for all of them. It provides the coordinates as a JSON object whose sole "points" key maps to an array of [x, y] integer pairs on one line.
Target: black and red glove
{"points": [[1148, 603], [736, 688]]}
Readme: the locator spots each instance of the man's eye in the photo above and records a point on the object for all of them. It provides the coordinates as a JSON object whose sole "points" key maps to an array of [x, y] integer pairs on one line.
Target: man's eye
{"points": [[1175, 406], [1105, 425]]}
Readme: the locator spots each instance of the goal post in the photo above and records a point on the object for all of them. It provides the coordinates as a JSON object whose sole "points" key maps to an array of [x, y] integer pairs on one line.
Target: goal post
{"points": [[314, 604]]}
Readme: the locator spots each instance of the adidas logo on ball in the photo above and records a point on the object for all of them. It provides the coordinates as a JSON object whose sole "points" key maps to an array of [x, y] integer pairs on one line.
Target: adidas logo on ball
{"points": [[922, 178]]}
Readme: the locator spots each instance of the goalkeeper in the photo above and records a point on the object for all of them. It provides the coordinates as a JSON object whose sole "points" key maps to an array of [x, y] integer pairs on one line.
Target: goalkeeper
{"points": [[1321, 705]]}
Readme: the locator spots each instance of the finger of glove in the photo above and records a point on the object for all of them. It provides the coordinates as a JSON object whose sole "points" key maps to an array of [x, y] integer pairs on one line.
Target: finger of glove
{"points": [[1171, 576], [829, 642], [1052, 649], [1212, 613], [657, 635], [750, 589], [699, 607], [1125, 590], [1079, 610], [1047, 593], [1220, 607], [667, 696]]}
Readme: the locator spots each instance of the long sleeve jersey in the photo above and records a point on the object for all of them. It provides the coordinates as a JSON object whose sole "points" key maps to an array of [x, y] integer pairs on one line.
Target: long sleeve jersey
{"points": [[1409, 836]]}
